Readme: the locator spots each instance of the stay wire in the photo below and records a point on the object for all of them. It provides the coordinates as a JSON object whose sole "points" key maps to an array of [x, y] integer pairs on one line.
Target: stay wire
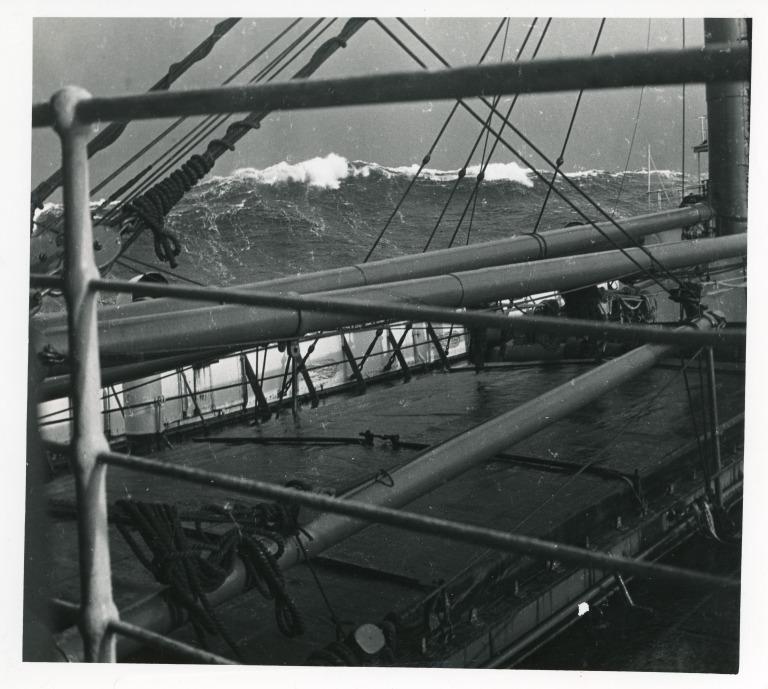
{"points": [[463, 170], [561, 158], [140, 229], [634, 131], [179, 121], [431, 150], [485, 145], [159, 137], [481, 174], [682, 147], [567, 179], [206, 126], [169, 154]]}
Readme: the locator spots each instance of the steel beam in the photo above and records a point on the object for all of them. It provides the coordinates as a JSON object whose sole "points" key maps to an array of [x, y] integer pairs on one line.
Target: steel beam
{"points": [[232, 325], [615, 70]]}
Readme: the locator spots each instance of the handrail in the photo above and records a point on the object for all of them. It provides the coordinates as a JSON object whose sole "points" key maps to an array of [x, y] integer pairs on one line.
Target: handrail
{"points": [[663, 67]]}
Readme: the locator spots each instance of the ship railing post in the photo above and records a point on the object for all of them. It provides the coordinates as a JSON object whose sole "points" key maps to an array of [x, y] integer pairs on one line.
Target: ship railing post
{"points": [[97, 607], [714, 415]]}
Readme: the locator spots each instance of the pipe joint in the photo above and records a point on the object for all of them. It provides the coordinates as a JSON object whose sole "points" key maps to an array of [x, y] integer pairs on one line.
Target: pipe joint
{"points": [[64, 106]]}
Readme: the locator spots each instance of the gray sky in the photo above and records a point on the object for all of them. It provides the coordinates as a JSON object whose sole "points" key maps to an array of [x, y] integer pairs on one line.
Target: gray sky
{"points": [[114, 56]]}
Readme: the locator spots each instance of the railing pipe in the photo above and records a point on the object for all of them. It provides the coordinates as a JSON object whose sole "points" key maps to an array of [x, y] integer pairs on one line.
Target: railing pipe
{"points": [[715, 418], [518, 248], [616, 70], [281, 316], [98, 609]]}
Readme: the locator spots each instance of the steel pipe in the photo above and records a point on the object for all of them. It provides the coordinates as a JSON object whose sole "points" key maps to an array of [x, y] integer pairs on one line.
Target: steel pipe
{"points": [[98, 608], [655, 68], [232, 326], [728, 135], [515, 249]]}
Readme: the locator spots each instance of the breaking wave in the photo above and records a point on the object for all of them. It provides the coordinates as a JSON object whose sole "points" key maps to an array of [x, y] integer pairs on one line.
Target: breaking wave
{"points": [[328, 172]]}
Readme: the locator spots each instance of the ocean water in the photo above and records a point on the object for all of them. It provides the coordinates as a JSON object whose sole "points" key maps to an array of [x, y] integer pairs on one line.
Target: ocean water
{"points": [[326, 212]]}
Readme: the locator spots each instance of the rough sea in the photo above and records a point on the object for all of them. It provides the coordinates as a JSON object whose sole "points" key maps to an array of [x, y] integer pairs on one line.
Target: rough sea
{"points": [[326, 212]]}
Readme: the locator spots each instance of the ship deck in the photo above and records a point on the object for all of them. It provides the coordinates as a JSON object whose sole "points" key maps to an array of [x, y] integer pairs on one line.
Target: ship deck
{"points": [[639, 427]]}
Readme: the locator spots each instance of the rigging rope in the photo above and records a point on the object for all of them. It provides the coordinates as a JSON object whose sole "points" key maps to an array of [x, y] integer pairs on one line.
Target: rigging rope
{"points": [[431, 150], [560, 159], [149, 210], [111, 133]]}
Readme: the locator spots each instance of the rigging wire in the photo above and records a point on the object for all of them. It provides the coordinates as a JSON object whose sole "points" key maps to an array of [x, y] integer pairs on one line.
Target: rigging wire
{"points": [[682, 166], [237, 129], [114, 130], [183, 146], [273, 64], [487, 134], [569, 181], [212, 122], [180, 120], [481, 174], [487, 138], [561, 158], [115, 196], [431, 150], [463, 171], [634, 131]]}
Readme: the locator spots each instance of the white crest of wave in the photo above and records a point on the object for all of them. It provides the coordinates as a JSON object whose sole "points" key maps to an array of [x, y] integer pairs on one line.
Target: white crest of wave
{"points": [[509, 172], [495, 172], [326, 172]]}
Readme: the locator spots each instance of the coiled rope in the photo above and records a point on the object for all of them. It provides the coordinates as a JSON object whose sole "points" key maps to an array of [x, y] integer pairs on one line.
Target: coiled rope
{"points": [[194, 567]]}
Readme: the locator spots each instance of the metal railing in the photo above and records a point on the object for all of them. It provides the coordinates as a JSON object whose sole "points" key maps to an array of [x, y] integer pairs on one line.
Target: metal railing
{"points": [[72, 110]]}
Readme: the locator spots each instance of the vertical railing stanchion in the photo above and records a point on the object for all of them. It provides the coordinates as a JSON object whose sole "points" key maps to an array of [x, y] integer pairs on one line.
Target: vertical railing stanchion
{"points": [[97, 605]]}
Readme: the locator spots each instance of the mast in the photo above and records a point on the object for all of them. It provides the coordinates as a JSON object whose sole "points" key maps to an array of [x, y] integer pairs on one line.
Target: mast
{"points": [[728, 118]]}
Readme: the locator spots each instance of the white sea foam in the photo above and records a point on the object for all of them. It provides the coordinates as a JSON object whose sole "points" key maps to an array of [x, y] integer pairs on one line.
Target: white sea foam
{"points": [[329, 171], [316, 172], [495, 172]]}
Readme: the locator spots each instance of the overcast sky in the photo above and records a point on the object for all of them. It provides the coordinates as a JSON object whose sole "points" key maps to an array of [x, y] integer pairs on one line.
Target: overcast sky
{"points": [[114, 56]]}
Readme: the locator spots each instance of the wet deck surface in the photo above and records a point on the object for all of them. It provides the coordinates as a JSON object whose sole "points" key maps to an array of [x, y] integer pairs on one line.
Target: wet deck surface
{"points": [[635, 427]]}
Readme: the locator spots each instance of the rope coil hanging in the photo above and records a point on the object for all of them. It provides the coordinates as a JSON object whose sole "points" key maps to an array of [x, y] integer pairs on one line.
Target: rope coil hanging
{"points": [[193, 563]]}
